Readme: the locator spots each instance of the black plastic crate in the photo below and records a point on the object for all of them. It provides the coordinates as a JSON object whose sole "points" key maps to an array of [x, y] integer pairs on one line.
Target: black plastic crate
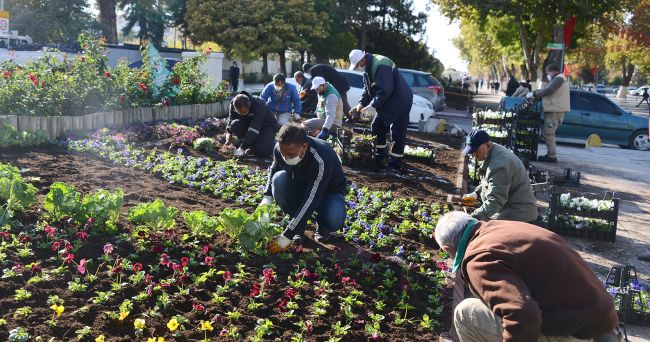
{"points": [[637, 308], [601, 225], [568, 178]]}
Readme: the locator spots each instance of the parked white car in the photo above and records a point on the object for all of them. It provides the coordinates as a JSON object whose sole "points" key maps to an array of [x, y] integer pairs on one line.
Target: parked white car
{"points": [[639, 91], [422, 109]]}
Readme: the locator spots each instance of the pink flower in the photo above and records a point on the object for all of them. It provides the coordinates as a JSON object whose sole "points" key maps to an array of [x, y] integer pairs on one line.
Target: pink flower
{"points": [[198, 307], [83, 236], [282, 306], [177, 267], [209, 261], [255, 291], [164, 259], [49, 230], [137, 267], [69, 258], [227, 275], [108, 249], [269, 275], [56, 245], [148, 278], [82, 266], [206, 249], [185, 261], [91, 221]]}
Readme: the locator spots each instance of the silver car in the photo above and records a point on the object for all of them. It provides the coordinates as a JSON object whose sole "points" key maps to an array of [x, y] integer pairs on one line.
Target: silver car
{"points": [[424, 84]]}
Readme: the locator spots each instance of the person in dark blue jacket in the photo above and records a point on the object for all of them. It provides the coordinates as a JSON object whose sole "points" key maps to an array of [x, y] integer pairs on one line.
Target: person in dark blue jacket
{"points": [[282, 99], [388, 98], [251, 126], [306, 177]]}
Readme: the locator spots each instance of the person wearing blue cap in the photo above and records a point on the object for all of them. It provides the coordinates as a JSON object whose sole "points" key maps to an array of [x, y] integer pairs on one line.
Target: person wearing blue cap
{"points": [[505, 190]]}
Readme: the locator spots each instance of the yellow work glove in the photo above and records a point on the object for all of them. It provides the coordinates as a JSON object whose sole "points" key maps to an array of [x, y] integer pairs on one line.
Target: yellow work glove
{"points": [[279, 244]]}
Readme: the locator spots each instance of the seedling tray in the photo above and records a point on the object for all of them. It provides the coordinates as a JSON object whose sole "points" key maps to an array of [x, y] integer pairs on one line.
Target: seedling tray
{"points": [[569, 178], [429, 159], [607, 219]]}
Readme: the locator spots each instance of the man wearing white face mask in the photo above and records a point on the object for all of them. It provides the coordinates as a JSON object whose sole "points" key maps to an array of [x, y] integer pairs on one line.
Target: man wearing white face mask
{"points": [[306, 177], [388, 98], [555, 102], [282, 99]]}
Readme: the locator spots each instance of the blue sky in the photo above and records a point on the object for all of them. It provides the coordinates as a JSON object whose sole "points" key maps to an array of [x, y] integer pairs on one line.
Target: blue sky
{"points": [[439, 35]]}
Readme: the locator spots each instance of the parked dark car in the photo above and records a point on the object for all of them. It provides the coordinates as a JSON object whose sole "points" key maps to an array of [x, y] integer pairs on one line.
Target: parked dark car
{"points": [[594, 113]]}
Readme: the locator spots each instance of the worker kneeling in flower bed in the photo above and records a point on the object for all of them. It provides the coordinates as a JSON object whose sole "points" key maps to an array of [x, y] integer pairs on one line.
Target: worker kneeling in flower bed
{"points": [[306, 177], [530, 284], [505, 189], [251, 126]]}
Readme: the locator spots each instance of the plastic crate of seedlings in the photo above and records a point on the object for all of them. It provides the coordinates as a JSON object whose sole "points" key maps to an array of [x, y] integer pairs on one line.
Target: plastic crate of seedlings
{"points": [[631, 297], [582, 217], [568, 178], [356, 148], [540, 180], [422, 154], [489, 117]]}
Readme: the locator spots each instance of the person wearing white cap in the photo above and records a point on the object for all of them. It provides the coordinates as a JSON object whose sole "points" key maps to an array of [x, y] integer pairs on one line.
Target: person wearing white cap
{"points": [[329, 110], [386, 96]]}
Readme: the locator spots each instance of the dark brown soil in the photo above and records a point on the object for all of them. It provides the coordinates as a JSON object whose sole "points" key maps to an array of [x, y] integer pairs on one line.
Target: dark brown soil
{"points": [[50, 164]]}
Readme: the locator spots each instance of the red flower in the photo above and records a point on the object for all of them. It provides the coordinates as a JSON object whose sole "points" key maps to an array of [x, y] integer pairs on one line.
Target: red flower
{"points": [[442, 266], [82, 58], [198, 306], [176, 80], [177, 267], [148, 278], [165, 103], [68, 246], [122, 98], [164, 259], [137, 267], [24, 239], [291, 293], [82, 266], [209, 261], [69, 257], [6, 73], [56, 245], [33, 78], [404, 285], [82, 236], [299, 249], [227, 276], [50, 231], [36, 268], [269, 275], [185, 261], [143, 87], [282, 306], [107, 74], [207, 248], [255, 291]]}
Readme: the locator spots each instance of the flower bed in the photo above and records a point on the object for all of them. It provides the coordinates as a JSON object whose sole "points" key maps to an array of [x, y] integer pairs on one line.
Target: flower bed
{"points": [[161, 274], [582, 217], [83, 84]]}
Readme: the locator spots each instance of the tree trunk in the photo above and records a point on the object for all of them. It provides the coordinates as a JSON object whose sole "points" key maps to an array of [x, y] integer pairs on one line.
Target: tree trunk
{"points": [[628, 71], [265, 67], [531, 54], [283, 62], [108, 17], [364, 26]]}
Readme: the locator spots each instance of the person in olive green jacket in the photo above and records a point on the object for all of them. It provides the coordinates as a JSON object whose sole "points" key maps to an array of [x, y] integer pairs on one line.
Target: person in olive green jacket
{"points": [[505, 190]]}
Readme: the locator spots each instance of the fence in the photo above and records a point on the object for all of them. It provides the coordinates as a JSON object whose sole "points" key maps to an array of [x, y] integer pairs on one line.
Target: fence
{"points": [[58, 126]]}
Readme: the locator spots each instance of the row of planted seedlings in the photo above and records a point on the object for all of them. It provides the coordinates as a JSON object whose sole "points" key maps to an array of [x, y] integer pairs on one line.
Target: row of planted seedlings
{"points": [[158, 277]]}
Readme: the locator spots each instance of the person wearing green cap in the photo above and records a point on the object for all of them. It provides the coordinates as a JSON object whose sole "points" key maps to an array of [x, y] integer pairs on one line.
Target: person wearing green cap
{"points": [[530, 285]]}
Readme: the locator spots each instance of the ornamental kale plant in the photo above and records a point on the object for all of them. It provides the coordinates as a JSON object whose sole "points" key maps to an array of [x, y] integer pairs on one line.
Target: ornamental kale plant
{"points": [[251, 231], [15, 193], [154, 215], [201, 224]]}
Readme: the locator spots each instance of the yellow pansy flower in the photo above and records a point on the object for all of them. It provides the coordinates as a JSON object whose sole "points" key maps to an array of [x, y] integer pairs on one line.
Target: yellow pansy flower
{"points": [[58, 309], [124, 314], [100, 338], [206, 326], [139, 323], [172, 324]]}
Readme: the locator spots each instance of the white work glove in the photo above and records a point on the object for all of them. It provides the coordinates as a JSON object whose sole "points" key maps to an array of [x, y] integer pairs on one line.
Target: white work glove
{"points": [[530, 95], [267, 200], [297, 117], [473, 196], [279, 244], [239, 152], [369, 110]]}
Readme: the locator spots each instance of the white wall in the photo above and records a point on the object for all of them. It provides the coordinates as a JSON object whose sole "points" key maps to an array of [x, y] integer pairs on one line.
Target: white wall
{"points": [[22, 57]]}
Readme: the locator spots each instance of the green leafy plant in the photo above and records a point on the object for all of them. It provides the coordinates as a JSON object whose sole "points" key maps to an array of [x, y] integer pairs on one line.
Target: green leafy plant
{"points": [[154, 215], [15, 193], [251, 231], [203, 144], [104, 207], [63, 200], [200, 223]]}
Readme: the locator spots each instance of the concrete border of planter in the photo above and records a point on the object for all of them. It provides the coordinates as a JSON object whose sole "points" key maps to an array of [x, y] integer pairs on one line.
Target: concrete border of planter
{"points": [[58, 126]]}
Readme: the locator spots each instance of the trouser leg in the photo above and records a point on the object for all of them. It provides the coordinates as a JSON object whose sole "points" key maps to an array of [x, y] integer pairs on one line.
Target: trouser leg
{"points": [[346, 105], [551, 123], [331, 213], [475, 322], [398, 132], [284, 192], [264, 142], [379, 130], [313, 126], [238, 128]]}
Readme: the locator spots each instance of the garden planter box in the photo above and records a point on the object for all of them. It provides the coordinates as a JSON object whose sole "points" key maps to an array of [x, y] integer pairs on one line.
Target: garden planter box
{"points": [[597, 224]]}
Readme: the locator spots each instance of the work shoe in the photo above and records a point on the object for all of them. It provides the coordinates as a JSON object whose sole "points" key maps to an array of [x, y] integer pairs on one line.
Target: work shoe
{"points": [[546, 159]]}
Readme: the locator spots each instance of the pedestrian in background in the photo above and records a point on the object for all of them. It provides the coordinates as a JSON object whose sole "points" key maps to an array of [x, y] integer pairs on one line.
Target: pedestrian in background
{"points": [[233, 75], [645, 97]]}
